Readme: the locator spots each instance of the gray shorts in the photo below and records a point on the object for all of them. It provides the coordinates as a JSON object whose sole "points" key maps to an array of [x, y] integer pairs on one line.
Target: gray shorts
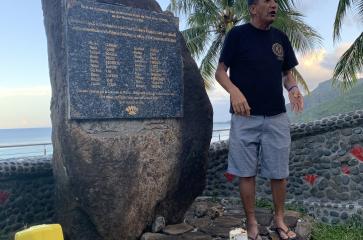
{"points": [[259, 140]]}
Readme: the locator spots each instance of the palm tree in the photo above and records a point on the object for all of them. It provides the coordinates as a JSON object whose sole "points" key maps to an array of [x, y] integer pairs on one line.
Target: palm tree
{"points": [[210, 20], [351, 62]]}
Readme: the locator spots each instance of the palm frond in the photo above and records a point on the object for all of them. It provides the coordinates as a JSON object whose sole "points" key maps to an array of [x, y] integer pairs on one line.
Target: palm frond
{"points": [[203, 17], [343, 6], [286, 5], [300, 80], [349, 65], [303, 38], [210, 61], [360, 8], [188, 6], [196, 39]]}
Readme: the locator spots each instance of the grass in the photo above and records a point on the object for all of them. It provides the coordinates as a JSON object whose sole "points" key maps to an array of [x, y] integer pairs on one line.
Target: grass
{"points": [[265, 203], [352, 230]]}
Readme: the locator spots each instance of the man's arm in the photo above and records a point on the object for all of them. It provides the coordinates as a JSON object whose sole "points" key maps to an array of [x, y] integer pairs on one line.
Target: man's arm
{"points": [[295, 96], [238, 100]]}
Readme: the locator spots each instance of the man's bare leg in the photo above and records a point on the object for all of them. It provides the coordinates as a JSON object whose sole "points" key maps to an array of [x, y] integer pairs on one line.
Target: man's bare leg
{"points": [[278, 187], [247, 186]]}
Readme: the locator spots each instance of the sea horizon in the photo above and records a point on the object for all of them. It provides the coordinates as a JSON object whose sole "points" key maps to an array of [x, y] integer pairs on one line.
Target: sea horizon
{"points": [[11, 138]]}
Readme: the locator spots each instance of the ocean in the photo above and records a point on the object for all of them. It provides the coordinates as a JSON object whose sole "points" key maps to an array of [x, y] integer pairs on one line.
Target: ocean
{"points": [[25, 136], [42, 137]]}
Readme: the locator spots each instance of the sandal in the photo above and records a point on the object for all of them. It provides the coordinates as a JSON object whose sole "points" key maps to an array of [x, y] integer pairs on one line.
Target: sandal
{"points": [[278, 230], [257, 237]]}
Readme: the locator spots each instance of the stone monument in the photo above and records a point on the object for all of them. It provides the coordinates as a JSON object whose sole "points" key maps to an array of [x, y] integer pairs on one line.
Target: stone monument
{"points": [[131, 119]]}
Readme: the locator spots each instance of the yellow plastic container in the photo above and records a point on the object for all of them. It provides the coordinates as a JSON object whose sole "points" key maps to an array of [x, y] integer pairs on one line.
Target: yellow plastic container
{"points": [[41, 232]]}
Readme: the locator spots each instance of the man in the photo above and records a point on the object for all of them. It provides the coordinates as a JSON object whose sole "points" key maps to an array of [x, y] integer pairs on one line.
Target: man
{"points": [[260, 60]]}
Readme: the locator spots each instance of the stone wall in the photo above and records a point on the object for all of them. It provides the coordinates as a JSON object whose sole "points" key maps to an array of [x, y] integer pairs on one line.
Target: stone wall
{"points": [[326, 172], [326, 168], [26, 194]]}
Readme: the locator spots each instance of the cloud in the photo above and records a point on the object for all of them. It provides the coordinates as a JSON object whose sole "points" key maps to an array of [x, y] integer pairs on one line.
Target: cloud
{"points": [[220, 103], [318, 66], [25, 107], [217, 93], [305, 5], [332, 58], [25, 91]]}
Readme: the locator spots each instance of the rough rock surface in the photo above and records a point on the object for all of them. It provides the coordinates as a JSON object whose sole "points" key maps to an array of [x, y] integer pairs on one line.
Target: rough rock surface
{"points": [[113, 177], [207, 228]]}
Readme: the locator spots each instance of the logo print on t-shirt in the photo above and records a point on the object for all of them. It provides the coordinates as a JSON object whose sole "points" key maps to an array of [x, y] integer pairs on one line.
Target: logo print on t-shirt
{"points": [[278, 51]]}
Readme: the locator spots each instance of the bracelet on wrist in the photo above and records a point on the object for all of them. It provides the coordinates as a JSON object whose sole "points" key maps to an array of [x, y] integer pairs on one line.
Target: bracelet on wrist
{"points": [[290, 88]]}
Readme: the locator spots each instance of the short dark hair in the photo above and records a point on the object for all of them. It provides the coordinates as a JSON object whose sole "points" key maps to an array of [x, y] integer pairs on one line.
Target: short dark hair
{"points": [[250, 2]]}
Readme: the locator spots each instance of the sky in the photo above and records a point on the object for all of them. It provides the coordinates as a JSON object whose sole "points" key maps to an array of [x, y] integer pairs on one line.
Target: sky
{"points": [[24, 75]]}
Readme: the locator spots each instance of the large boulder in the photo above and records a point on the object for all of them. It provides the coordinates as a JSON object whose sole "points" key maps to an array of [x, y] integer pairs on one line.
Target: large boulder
{"points": [[113, 177]]}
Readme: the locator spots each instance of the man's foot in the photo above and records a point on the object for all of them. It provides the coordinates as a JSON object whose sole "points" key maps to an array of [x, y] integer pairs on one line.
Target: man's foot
{"points": [[284, 232], [252, 232]]}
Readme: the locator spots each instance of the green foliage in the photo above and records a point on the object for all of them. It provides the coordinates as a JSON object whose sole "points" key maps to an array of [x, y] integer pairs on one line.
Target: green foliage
{"points": [[351, 63], [352, 230], [326, 101], [264, 203], [296, 207], [209, 21]]}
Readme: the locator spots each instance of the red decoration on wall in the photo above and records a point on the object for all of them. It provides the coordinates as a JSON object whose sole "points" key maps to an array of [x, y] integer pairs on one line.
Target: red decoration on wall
{"points": [[346, 170], [310, 179], [357, 152], [229, 176], [4, 196]]}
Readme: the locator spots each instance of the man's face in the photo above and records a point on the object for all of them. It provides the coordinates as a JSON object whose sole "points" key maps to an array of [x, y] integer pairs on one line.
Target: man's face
{"points": [[265, 10]]}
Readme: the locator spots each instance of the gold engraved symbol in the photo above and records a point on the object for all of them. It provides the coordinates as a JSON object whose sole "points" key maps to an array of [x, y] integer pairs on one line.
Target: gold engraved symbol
{"points": [[278, 50], [132, 110]]}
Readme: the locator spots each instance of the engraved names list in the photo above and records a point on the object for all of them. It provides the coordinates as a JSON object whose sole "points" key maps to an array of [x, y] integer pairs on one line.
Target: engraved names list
{"points": [[122, 62]]}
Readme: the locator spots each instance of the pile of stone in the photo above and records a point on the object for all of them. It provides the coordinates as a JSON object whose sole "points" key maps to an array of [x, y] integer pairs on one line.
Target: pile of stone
{"points": [[211, 219]]}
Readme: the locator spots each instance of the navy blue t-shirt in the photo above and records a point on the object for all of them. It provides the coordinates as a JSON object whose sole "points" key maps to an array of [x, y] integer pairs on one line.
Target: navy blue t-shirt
{"points": [[256, 59]]}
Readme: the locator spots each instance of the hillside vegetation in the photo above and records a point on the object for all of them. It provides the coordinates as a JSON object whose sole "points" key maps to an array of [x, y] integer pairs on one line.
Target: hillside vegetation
{"points": [[326, 100]]}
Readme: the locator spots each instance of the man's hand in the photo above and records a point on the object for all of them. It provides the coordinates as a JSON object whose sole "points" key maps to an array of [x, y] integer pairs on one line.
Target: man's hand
{"points": [[239, 103], [296, 100]]}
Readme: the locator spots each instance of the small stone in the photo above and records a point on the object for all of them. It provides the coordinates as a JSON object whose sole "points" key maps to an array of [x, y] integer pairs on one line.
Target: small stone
{"points": [[354, 171], [158, 224], [201, 210], [155, 236], [343, 196], [195, 236], [291, 220], [344, 215], [335, 171], [357, 130], [177, 229], [335, 221], [304, 227], [215, 212], [342, 152], [331, 194], [353, 162], [354, 139], [351, 206], [264, 219], [320, 194], [334, 214], [345, 179], [356, 179], [323, 184]]}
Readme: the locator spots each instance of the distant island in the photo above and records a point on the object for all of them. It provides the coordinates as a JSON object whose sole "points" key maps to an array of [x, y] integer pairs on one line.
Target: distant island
{"points": [[327, 100]]}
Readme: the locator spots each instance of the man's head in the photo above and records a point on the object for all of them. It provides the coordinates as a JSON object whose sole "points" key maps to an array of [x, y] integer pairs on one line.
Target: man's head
{"points": [[264, 11]]}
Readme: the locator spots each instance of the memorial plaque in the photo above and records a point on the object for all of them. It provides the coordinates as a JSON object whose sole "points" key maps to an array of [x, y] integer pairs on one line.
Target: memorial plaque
{"points": [[122, 62]]}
